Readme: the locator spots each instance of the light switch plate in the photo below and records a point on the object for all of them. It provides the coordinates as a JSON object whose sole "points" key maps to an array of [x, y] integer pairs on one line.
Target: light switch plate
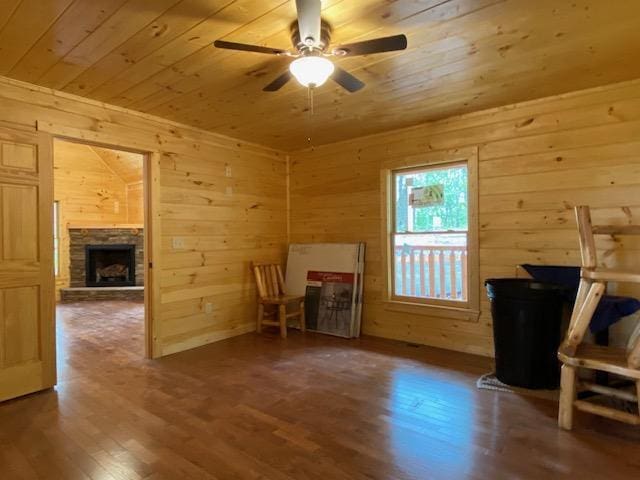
{"points": [[177, 243]]}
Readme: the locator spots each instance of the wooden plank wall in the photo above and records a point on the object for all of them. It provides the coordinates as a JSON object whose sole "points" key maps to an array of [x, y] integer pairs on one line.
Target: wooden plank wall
{"points": [[135, 202], [224, 198], [88, 192], [537, 160]]}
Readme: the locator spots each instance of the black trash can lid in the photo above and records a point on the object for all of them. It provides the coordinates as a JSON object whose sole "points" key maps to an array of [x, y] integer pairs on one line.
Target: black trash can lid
{"points": [[523, 289]]}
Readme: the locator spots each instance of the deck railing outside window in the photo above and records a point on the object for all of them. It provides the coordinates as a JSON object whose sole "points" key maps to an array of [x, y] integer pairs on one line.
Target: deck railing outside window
{"points": [[430, 271]]}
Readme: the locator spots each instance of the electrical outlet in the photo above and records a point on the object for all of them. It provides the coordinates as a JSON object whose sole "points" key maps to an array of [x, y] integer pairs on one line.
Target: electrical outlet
{"points": [[208, 308], [116, 207], [227, 171], [177, 243]]}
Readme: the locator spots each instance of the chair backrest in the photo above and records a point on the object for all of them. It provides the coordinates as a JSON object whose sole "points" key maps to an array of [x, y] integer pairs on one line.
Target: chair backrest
{"points": [[587, 231], [587, 242], [591, 272], [269, 279]]}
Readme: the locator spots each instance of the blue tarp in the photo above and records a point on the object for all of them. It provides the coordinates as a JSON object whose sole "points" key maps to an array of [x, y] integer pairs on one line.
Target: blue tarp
{"points": [[610, 309]]}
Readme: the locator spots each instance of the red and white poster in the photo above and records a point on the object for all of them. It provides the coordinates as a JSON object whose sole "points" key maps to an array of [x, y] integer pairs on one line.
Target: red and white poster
{"points": [[329, 302], [329, 275]]}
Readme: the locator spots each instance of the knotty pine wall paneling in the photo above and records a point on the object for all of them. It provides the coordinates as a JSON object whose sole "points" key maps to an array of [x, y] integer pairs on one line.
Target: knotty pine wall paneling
{"points": [[536, 161], [224, 199], [135, 202]]}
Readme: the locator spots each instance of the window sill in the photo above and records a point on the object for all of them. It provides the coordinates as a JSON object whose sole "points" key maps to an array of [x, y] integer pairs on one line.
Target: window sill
{"points": [[455, 313]]}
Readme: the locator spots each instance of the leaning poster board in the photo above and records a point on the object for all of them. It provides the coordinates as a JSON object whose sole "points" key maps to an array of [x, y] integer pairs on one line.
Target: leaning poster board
{"points": [[330, 276]]}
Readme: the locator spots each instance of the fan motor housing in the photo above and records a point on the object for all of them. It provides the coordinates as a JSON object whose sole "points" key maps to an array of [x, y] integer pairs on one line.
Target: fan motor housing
{"points": [[322, 44]]}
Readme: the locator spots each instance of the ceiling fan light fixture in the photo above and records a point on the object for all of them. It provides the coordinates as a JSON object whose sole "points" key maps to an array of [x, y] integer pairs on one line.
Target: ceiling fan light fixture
{"points": [[311, 39], [311, 71]]}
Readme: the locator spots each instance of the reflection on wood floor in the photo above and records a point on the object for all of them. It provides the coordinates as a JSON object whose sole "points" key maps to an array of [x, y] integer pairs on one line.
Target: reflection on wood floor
{"points": [[308, 407]]}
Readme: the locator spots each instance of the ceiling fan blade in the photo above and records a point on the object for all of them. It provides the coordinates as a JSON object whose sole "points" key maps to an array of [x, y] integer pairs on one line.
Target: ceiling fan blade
{"points": [[278, 83], [346, 80], [377, 45], [249, 48], [309, 21]]}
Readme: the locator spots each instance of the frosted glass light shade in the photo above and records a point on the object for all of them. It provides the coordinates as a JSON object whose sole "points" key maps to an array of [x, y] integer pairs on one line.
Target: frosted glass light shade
{"points": [[311, 71]]}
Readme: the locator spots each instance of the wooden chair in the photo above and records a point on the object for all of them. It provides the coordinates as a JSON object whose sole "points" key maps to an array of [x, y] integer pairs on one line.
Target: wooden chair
{"points": [[271, 291], [574, 354]]}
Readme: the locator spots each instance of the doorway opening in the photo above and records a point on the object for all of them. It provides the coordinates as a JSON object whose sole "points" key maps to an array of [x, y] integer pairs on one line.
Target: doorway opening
{"points": [[100, 245]]}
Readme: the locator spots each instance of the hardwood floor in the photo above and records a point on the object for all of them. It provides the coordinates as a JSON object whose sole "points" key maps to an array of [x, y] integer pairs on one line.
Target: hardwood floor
{"points": [[308, 407]]}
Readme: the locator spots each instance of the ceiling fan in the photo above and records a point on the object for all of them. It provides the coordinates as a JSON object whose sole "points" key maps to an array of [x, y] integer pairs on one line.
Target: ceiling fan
{"points": [[311, 37]]}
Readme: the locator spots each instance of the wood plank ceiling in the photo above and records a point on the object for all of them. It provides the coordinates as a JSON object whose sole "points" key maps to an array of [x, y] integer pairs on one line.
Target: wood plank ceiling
{"points": [[155, 56], [126, 165]]}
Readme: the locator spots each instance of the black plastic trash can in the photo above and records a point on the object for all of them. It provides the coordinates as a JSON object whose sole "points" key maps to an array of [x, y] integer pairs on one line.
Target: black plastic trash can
{"points": [[527, 318]]}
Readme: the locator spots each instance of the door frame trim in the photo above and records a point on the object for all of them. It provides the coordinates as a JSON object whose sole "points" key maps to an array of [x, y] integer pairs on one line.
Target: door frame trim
{"points": [[152, 229]]}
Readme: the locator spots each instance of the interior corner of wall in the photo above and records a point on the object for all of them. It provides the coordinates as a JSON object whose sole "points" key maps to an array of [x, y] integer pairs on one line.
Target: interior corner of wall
{"points": [[288, 197]]}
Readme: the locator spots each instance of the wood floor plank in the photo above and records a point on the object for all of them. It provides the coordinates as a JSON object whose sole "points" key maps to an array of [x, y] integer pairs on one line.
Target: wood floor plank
{"points": [[308, 407]]}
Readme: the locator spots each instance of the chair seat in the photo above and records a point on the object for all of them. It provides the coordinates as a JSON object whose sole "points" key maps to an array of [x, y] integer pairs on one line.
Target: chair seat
{"points": [[281, 299], [595, 357]]}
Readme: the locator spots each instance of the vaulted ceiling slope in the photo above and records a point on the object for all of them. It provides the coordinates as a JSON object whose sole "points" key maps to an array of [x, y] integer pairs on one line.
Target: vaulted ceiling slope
{"points": [[126, 165], [155, 56]]}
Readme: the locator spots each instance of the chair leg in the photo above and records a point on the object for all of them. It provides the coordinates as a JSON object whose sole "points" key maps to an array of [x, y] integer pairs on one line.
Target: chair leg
{"points": [[303, 325], [579, 327], [260, 316], [567, 396], [282, 310]]}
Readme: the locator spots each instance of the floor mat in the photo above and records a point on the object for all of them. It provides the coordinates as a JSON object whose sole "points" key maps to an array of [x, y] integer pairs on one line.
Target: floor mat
{"points": [[488, 381]]}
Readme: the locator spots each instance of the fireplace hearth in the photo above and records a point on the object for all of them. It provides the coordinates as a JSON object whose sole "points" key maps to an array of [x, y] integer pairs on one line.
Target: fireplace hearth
{"points": [[110, 265]]}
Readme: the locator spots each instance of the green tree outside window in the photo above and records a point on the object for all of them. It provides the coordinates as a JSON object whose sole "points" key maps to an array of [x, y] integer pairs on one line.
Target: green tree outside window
{"points": [[452, 214]]}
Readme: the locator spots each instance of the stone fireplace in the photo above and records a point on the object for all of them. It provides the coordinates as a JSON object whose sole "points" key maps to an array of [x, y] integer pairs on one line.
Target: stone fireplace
{"points": [[105, 263]]}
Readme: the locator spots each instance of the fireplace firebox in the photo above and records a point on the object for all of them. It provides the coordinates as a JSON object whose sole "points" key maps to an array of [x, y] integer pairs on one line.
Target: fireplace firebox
{"points": [[110, 265]]}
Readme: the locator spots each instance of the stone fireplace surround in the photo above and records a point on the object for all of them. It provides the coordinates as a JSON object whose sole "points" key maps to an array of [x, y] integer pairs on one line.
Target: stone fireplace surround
{"points": [[79, 238]]}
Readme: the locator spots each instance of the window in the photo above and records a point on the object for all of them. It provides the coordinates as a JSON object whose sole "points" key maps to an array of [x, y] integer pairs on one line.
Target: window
{"points": [[430, 235], [56, 238]]}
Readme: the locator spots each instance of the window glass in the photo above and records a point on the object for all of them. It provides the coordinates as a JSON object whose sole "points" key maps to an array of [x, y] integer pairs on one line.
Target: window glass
{"points": [[432, 199], [431, 217]]}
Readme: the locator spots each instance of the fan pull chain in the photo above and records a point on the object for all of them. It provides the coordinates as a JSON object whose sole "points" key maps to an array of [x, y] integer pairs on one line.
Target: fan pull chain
{"points": [[311, 112], [311, 100]]}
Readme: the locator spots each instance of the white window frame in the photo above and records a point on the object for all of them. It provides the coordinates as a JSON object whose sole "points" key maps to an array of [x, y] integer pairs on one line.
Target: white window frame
{"points": [[463, 310]]}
